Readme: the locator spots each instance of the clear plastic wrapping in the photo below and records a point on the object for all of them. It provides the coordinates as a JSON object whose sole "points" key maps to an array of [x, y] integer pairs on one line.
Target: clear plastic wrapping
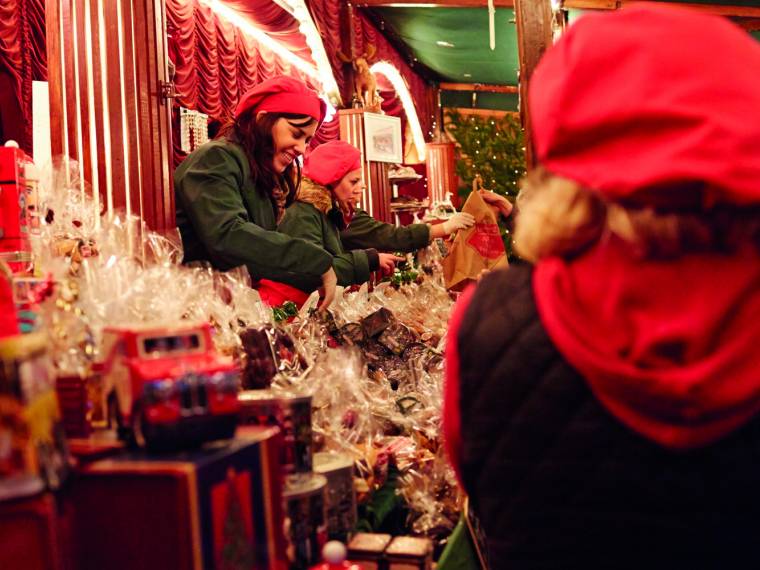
{"points": [[373, 363]]}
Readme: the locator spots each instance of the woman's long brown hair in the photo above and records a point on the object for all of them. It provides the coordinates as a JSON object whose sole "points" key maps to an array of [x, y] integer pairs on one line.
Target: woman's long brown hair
{"points": [[255, 136]]}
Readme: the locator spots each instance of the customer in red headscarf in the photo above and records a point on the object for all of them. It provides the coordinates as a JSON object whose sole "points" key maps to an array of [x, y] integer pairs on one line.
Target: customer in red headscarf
{"points": [[602, 405], [232, 192]]}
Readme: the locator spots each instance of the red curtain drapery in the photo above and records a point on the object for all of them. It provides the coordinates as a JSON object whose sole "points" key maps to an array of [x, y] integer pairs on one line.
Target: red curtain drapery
{"points": [[200, 42], [23, 59], [269, 17], [215, 62]]}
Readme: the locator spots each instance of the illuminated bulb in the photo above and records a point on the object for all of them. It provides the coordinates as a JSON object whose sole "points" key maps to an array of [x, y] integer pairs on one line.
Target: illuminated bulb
{"points": [[232, 16], [330, 110]]}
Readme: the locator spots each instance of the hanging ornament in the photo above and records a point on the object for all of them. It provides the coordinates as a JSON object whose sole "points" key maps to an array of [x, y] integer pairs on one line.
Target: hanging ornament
{"points": [[184, 132], [491, 25], [193, 129]]}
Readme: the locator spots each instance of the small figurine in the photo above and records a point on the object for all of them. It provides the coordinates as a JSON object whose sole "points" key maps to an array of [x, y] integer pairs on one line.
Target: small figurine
{"points": [[365, 85]]}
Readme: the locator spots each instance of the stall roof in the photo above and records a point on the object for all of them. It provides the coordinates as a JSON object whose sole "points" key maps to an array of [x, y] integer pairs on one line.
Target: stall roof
{"points": [[451, 37], [454, 42]]}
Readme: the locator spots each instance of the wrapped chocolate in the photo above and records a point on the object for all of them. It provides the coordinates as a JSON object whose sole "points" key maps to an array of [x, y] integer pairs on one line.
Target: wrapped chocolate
{"points": [[377, 322], [351, 334], [268, 351], [396, 338], [375, 354], [419, 355]]}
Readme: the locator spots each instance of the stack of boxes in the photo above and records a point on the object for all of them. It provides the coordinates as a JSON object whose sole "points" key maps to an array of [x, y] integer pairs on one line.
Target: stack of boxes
{"points": [[384, 552], [317, 505]]}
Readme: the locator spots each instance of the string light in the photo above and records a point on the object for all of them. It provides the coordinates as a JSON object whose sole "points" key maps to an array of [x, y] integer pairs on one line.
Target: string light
{"points": [[322, 73], [399, 85]]}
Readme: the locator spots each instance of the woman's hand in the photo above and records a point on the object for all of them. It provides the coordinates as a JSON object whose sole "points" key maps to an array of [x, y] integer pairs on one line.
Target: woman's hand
{"points": [[458, 221], [388, 262], [498, 202], [327, 291]]}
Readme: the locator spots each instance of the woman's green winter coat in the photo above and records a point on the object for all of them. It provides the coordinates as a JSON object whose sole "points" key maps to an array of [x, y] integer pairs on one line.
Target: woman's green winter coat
{"points": [[315, 218], [366, 231], [224, 219]]}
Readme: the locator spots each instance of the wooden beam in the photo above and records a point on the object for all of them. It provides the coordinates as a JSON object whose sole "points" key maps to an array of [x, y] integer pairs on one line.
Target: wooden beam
{"points": [[56, 77], [493, 113], [534, 36], [720, 10], [435, 3], [591, 4], [480, 87]]}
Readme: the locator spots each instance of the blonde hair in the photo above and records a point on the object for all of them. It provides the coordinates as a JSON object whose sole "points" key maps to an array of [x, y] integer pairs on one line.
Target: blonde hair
{"points": [[559, 217]]}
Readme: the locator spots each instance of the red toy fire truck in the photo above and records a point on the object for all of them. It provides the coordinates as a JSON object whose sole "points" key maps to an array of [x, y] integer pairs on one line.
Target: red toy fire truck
{"points": [[167, 386]]}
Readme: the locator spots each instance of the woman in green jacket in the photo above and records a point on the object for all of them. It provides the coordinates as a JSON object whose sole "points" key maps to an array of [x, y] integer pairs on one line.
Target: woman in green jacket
{"points": [[323, 208], [232, 192]]}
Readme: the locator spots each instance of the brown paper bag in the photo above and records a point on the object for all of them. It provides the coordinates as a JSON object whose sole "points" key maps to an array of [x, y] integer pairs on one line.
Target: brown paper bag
{"points": [[475, 249]]}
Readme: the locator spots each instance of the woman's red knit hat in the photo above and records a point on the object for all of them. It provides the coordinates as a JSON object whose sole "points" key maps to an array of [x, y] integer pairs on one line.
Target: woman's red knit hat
{"points": [[283, 95], [651, 98], [330, 162]]}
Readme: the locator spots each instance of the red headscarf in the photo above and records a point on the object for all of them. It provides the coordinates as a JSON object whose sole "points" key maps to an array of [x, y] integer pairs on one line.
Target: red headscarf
{"points": [[634, 105], [635, 100], [330, 162], [283, 95]]}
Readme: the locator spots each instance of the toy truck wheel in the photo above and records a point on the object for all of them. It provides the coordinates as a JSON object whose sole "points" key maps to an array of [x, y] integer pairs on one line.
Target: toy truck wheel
{"points": [[225, 427]]}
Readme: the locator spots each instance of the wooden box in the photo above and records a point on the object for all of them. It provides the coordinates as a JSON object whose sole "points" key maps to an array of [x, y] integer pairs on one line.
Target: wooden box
{"points": [[214, 508], [409, 553], [28, 534], [368, 549], [383, 552]]}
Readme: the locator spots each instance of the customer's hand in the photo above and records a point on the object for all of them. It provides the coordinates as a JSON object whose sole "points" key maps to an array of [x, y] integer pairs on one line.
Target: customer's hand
{"points": [[388, 262], [458, 221], [327, 291], [498, 203]]}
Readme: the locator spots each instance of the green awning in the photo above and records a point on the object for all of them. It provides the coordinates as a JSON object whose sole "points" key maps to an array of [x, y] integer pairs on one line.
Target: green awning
{"points": [[454, 42]]}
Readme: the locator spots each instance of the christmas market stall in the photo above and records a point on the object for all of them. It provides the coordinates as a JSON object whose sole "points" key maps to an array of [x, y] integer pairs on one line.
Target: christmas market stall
{"points": [[157, 408]]}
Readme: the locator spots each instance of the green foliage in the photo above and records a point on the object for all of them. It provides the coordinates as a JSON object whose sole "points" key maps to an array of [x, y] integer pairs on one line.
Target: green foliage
{"points": [[492, 148], [285, 311], [386, 511]]}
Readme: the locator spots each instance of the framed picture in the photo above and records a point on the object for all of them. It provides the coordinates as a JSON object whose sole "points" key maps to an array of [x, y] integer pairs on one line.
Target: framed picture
{"points": [[382, 138]]}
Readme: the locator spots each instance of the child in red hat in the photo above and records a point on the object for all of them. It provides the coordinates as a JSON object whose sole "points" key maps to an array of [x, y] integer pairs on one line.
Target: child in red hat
{"points": [[232, 192], [602, 405]]}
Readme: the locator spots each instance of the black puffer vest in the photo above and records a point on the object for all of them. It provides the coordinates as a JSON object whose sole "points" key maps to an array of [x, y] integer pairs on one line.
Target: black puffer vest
{"points": [[559, 483]]}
